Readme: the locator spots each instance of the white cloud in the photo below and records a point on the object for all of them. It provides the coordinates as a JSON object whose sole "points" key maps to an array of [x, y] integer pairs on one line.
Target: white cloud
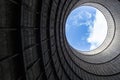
{"points": [[98, 31], [75, 19]]}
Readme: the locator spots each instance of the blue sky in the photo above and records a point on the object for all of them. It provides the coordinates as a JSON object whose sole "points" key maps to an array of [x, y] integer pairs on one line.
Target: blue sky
{"points": [[86, 28]]}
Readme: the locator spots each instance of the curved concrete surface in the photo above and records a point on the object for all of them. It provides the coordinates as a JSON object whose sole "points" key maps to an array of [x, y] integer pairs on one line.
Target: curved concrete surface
{"points": [[33, 44]]}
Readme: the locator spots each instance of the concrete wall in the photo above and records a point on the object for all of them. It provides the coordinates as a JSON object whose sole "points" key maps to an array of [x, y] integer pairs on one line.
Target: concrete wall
{"points": [[33, 44]]}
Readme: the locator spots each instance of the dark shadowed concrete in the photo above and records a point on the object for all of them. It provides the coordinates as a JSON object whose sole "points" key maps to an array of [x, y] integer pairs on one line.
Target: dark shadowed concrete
{"points": [[33, 44]]}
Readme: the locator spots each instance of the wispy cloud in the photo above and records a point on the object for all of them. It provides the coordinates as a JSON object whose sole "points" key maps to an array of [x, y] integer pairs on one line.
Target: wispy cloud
{"points": [[98, 31], [76, 19]]}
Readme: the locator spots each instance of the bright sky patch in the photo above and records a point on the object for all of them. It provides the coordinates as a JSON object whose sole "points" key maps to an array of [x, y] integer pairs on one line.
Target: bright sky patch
{"points": [[86, 28]]}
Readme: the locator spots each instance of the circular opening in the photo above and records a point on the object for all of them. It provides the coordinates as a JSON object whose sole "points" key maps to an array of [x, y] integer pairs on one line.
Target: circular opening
{"points": [[101, 53], [86, 28]]}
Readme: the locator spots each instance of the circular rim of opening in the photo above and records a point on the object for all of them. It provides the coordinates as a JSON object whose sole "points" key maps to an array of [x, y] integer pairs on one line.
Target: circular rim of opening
{"points": [[110, 29], [104, 37]]}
